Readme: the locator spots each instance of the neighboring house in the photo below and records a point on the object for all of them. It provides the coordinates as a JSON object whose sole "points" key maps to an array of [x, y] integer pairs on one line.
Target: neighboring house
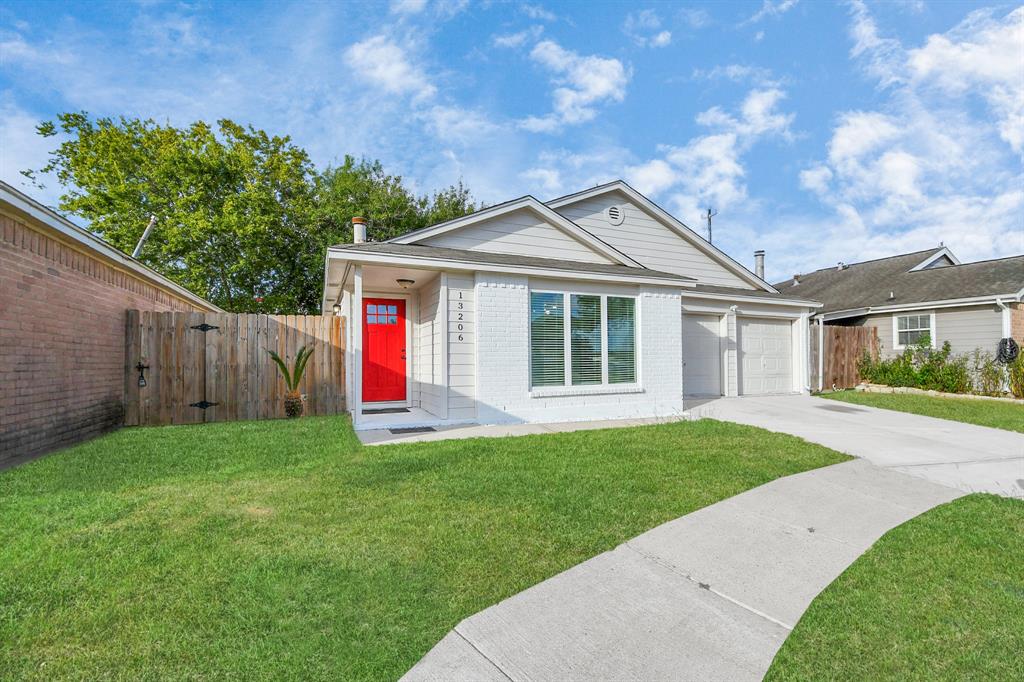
{"points": [[63, 297], [596, 305], [906, 297]]}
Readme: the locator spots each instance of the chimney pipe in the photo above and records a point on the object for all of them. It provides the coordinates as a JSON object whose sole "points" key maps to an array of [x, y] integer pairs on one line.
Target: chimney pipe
{"points": [[358, 230], [759, 263]]}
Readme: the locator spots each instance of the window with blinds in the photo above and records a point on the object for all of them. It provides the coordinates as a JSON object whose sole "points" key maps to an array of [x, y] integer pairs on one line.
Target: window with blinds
{"points": [[595, 346], [585, 335], [547, 339], [621, 340]]}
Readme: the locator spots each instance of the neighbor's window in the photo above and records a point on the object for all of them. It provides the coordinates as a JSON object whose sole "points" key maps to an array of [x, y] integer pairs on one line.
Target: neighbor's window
{"points": [[595, 345], [912, 328]]}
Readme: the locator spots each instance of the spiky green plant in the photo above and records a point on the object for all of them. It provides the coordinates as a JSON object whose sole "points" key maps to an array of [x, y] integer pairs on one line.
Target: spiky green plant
{"points": [[292, 379]]}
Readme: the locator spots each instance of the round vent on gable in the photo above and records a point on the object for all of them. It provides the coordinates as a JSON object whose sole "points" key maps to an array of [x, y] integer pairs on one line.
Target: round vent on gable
{"points": [[615, 215]]}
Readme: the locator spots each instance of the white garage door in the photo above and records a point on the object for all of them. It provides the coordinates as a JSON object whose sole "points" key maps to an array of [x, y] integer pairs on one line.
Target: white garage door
{"points": [[766, 356], [702, 355]]}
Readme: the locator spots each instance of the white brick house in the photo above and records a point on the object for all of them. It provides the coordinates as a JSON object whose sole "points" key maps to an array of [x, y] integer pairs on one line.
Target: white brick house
{"points": [[597, 305]]}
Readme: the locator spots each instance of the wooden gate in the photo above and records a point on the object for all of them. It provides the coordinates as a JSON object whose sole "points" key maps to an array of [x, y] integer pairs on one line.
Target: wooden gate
{"points": [[844, 347], [209, 367]]}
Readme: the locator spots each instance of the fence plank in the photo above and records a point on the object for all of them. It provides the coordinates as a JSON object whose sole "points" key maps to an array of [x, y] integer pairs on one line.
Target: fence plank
{"points": [[229, 365]]}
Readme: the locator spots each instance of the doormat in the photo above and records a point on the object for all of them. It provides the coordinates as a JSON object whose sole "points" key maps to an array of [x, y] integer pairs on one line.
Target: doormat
{"points": [[387, 410], [413, 429]]}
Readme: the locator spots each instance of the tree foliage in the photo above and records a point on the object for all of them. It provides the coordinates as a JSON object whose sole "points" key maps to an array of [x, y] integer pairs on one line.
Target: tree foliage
{"points": [[244, 217]]}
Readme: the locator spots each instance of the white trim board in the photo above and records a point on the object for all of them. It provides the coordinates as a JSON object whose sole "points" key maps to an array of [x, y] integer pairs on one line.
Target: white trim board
{"points": [[944, 252], [428, 263], [554, 218], [672, 223]]}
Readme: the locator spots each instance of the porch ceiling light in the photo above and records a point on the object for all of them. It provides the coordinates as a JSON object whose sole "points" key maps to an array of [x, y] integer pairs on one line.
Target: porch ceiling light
{"points": [[337, 309], [405, 283]]}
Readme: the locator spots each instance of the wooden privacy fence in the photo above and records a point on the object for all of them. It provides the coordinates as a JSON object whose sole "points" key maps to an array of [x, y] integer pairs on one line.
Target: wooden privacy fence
{"points": [[209, 367], [844, 347]]}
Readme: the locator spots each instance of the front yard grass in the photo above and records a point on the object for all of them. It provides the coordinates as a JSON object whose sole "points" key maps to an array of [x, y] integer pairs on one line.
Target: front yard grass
{"points": [[993, 413], [939, 598], [285, 549]]}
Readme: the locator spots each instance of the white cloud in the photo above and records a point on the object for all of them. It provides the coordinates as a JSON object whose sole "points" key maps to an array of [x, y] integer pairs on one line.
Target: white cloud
{"points": [[537, 12], [645, 29], [581, 84], [381, 63], [519, 38], [739, 73], [708, 170], [771, 8], [22, 149], [940, 159], [408, 6], [694, 18]]}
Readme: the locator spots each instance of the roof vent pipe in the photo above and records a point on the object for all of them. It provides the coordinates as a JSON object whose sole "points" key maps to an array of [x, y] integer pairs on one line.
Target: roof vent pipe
{"points": [[759, 263], [796, 279], [358, 230]]}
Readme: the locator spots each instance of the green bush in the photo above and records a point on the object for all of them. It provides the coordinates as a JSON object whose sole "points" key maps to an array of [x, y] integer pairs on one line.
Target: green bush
{"points": [[920, 366], [1016, 376], [988, 377]]}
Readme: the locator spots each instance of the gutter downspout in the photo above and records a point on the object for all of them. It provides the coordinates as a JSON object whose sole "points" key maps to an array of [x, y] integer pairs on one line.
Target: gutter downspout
{"points": [[1006, 318], [821, 354]]}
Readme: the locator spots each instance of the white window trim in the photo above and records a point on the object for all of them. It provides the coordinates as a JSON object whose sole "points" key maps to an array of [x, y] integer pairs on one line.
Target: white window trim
{"points": [[896, 329], [568, 389]]}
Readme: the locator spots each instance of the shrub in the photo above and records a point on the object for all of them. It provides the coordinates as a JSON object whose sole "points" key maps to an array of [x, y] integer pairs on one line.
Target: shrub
{"points": [[987, 376], [920, 366], [1015, 370]]}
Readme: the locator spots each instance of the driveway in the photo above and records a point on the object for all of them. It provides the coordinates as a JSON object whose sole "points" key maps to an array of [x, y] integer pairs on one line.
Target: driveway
{"points": [[964, 456], [709, 596]]}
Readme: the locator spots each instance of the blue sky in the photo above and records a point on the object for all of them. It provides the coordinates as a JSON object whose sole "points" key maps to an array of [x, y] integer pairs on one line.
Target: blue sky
{"points": [[819, 131]]}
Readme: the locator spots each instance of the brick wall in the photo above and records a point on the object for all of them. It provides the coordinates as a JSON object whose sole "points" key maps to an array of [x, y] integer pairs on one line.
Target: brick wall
{"points": [[62, 338], [503, 357], [1017, 322]]}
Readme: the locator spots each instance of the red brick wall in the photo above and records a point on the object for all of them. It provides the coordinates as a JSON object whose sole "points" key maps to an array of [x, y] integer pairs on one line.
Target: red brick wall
{"points": [[62, 338], [1017, 322]]}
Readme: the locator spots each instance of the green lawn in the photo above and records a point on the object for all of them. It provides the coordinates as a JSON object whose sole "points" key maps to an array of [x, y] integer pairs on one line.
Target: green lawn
{"points": [[275, 550], [939, 598], [999, 415]]}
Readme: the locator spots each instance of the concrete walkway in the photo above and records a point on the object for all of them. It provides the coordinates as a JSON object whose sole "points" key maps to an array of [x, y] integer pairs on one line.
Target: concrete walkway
{"points": [[709, 596], [964, 456], [386, 437]]}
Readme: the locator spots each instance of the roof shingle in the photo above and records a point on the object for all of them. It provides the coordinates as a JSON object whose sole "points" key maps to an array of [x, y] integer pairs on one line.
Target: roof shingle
{"points": [[868, 284]]}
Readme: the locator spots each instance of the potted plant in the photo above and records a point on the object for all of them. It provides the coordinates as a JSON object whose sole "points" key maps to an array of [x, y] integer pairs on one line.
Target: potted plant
{"points": [[292, 397]]}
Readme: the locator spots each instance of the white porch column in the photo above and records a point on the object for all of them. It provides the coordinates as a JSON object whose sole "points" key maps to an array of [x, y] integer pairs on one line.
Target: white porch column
{"points": [[357, 347]]}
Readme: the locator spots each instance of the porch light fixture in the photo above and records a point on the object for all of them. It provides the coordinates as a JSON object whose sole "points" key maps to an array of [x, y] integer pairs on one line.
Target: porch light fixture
{"points": [[337, 309], [405, 283]]}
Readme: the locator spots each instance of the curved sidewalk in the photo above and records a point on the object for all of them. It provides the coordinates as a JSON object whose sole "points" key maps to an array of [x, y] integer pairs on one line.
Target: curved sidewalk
{"points": [[708, 596]]}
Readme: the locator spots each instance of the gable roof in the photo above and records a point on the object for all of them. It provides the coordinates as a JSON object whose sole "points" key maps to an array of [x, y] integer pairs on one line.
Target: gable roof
{"points": [[672, 223], [411, 253], [863, 286], [546, 213]]}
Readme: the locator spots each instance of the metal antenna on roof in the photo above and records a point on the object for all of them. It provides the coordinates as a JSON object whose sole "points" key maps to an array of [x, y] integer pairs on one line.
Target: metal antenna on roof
{"points": [[711, 214]]}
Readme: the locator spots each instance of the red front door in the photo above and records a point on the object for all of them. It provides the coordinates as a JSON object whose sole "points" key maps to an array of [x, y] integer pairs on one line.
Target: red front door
{"points": [[383, 349]]}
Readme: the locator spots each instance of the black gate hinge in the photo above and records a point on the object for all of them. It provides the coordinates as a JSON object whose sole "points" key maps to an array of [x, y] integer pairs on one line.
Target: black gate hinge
{"points": [[205, 327], [203, 404]]}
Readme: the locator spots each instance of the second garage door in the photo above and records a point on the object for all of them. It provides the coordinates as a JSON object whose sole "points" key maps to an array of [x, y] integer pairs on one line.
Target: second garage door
{"points": [[766, 356]]}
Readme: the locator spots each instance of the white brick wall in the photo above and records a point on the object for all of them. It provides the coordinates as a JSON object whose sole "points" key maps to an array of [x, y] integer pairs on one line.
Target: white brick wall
{"points": [[503, 390]]}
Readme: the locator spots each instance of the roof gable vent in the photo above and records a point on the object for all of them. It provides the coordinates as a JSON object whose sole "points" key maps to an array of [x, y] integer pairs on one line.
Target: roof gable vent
{"points": [[615, 215]]}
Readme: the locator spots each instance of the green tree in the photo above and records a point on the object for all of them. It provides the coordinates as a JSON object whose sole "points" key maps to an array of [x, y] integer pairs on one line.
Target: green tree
{"points": [[244, 218]]}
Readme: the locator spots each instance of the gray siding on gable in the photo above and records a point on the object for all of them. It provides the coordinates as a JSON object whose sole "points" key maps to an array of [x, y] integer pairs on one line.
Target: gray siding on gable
{"points": [[965, 328], [648, 241], [521, 233]]}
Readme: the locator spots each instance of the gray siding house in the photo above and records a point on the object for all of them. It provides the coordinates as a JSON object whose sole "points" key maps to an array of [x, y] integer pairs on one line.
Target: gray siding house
{"points": [[905, 297]]}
